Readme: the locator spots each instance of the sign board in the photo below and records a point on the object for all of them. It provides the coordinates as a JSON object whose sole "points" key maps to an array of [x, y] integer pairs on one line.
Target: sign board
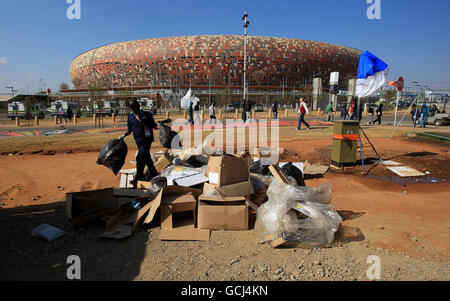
{"points": [[400, 83], [334, 78]]}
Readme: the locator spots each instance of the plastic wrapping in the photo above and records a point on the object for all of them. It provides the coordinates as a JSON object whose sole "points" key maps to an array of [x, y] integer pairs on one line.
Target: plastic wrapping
{"points": [[175, 169], [298, 214], [113, 155]]}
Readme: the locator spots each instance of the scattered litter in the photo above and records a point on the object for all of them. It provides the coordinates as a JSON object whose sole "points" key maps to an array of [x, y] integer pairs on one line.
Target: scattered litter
{"points": [[61, 131], [315, 169], [118, 232], [386, 163], [47, 232], [405, 171]]}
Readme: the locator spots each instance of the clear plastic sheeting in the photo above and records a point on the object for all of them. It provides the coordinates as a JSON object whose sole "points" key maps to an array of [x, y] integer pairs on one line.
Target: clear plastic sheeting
{"points": [[298, 214], [175, 170]]}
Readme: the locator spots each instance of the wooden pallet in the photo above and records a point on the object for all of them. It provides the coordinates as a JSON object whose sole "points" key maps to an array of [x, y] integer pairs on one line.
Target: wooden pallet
{"points": [[342, 168]]}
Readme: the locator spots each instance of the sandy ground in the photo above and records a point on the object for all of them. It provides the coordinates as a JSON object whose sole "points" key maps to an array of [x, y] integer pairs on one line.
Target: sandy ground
{"points": [[406, 224]]}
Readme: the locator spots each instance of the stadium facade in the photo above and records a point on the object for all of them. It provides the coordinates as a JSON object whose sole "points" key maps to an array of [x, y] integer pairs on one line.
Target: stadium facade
{"points": [[212, 60]]}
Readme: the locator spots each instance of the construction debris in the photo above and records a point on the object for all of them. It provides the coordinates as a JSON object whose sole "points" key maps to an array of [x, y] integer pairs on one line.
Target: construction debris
{"points": [[196, 193]]}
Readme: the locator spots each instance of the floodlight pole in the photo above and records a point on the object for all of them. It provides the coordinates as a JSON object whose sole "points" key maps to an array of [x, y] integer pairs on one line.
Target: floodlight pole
{"points": [[246, 24]]}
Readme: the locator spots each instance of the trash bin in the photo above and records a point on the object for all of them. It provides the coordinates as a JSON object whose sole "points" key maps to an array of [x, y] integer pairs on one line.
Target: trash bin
{"points": [[345, 143]]}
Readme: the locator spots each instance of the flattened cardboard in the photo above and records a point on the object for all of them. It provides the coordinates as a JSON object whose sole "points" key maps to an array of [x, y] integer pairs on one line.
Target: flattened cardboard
{"points": [[227, 170], [405, 171], [82, 207], [237, 190], [126, 192], [185, 235], [211, 193], [223, 216]]}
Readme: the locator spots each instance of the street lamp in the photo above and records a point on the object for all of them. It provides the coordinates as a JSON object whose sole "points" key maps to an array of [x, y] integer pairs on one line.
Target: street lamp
{"points": [[12, 90], [246, 24]]}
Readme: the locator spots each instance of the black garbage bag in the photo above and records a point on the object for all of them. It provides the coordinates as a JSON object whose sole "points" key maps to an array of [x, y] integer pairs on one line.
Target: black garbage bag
{"points": [[257, 167], [157, 184], [113, 155], [166, 135], [290, 170], [197, 161]]}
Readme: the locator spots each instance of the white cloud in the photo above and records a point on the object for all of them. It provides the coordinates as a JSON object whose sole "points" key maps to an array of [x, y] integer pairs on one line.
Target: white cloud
{"points": [[3, 60]]}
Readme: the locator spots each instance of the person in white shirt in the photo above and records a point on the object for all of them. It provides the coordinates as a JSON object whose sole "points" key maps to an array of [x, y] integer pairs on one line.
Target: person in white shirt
{"points": [[303, 110]]}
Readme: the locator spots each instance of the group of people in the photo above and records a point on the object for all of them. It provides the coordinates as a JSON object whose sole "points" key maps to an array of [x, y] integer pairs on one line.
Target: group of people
{"points": [[422, 114], [352, 113], [62, 114]]}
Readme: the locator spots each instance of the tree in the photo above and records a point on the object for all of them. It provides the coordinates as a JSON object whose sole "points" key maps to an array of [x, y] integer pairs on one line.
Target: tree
{"points": [[95, 93], [389, 94], [28, 104], [64, 86]]}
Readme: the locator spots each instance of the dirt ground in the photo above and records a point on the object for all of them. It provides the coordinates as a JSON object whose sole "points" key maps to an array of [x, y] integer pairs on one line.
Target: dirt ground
{"points": [[405, 222]]}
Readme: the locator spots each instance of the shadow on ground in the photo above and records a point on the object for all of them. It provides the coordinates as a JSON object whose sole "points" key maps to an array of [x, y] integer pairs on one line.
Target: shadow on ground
{"points": [[24, 257]]}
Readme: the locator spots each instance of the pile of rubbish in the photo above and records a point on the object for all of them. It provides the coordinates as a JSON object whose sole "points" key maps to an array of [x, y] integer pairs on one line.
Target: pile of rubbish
{"points": [[196, 193]]}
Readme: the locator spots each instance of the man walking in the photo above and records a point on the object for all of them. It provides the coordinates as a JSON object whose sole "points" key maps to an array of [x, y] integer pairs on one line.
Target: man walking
{"points": [[379, 112], [141, 124], [303, 110]]}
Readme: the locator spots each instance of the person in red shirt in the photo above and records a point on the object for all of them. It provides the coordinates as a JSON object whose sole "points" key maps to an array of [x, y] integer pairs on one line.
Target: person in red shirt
{"points": [[303, 110]]}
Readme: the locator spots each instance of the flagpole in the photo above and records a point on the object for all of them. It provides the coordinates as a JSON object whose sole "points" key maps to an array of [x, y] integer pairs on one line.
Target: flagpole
{"points": [[396, 109]]}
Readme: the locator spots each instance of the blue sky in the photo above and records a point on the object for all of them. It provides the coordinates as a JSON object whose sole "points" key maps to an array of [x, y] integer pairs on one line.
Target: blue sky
{"points": [[38, 41]]}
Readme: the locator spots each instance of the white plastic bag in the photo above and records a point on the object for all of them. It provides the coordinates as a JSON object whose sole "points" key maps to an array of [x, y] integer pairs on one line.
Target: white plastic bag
{"points": [[315, 223]]}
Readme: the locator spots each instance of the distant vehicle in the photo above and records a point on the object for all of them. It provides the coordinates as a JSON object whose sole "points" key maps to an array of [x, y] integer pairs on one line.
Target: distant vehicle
{"points": [[439, 119], [230, 108], [55, 107], [107, 108], [259, 107], [148, 105], [17, 109]]}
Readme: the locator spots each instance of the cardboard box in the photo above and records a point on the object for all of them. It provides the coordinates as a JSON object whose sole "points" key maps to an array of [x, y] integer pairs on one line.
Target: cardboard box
{"points": [[178, 211], [216, 214], [83, 207], [178, 214], [162, 162], [228, 169]]}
